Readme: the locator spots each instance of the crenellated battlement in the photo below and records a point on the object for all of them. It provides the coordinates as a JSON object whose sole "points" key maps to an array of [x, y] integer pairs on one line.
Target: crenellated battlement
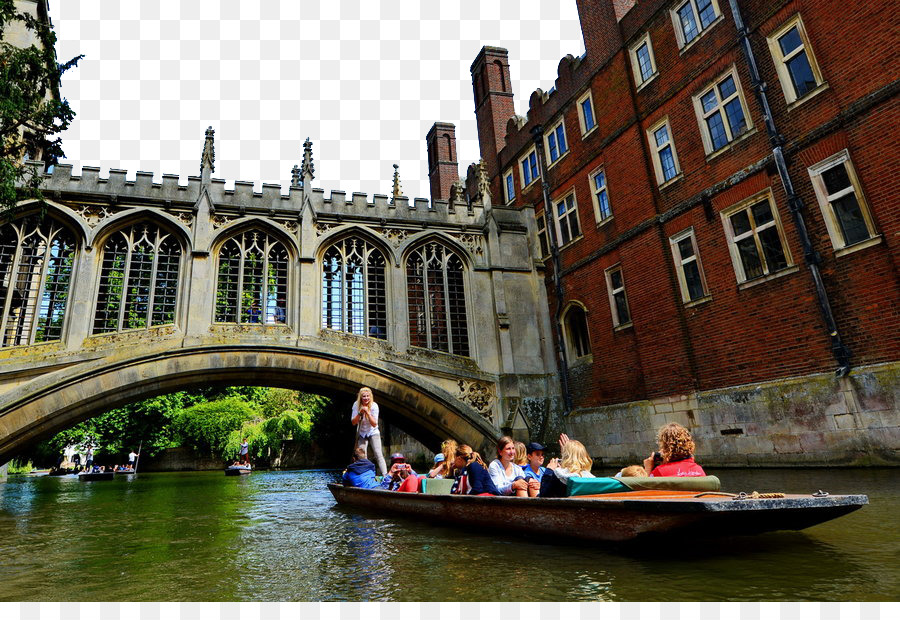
{"points": [[61, 182]]}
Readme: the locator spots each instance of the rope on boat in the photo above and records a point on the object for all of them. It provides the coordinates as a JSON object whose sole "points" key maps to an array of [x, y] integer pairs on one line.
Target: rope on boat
{"points": [[758, 495]]}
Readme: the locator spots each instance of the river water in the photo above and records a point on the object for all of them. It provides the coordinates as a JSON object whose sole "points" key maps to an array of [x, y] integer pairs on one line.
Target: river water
{"points": [[280, 536]]}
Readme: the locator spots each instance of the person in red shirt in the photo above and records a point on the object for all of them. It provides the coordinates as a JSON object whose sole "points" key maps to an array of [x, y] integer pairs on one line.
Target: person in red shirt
{"points": [[676, 453]]}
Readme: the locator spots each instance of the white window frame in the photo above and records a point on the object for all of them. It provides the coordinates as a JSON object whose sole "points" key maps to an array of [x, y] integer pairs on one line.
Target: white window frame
{"points": [[595, 191], [732, 239], [701, 29], [531, 152], [720, 108], [509, 183], [636, 63], [784, 74], [612, 299], [680, 262], [655, 150], [585, 130], [570, 209], [831, 223], [553, 131]]}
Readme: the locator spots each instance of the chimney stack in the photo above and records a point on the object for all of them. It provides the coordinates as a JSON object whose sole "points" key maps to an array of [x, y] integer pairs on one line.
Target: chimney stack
{"points": [[443, 166], [494, 105]]}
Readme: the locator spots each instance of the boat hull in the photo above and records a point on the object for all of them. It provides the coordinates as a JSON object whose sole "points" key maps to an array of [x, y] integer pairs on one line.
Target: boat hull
{"points": [[237, 471], [618, 517]]}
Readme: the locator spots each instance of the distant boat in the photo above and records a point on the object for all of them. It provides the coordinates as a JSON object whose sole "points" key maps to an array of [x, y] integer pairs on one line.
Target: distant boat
{"points": [[237, 470], [124, 472], [95, 476]]}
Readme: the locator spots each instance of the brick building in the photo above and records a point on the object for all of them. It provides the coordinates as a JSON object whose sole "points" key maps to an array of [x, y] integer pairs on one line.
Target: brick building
{"points": [[707, 262]]}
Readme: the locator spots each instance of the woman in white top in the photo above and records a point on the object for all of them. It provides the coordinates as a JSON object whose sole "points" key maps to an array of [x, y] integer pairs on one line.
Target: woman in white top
{"points": [[364, 416], [575, 462], [506, 475]]}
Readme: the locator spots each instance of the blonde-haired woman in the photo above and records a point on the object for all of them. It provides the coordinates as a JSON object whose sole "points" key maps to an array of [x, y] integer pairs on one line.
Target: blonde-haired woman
{"points": [[364, 416], [473, 477], [575, 462], [444, 468]]}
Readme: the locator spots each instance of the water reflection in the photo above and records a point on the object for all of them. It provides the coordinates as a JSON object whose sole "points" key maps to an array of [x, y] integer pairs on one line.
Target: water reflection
{"points": [[279, 536]]}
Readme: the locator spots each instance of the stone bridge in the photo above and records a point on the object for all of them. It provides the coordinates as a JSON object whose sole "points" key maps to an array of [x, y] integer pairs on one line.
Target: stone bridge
{"points": [[114, 290]]}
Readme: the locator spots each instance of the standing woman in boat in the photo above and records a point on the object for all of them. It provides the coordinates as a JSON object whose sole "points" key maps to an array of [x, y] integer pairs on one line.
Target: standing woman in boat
{"points": [[676, 453], [507, 476], [364, 416]]}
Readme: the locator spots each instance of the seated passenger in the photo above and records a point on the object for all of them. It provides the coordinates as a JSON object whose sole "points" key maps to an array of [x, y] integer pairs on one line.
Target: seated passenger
{"points": [[535, 469], [400, 477], [473, 477], [632, 471], [575, 462], [360, 473], [444, 467], [507, 476], [676, 453], [521, 454]]}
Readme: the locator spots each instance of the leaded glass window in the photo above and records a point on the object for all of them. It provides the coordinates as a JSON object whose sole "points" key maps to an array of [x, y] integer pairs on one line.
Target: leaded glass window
{"points": [[139, 271], [251, 281], [437, 299], [354, 297], [36, 258]]}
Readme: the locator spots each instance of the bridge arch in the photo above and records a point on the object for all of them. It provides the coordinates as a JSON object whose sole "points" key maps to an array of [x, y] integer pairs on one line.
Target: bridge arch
{"points": [[59, 400]]}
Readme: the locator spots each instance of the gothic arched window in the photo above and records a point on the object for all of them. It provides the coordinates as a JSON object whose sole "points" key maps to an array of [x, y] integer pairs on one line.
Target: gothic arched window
{"points": [[36, 257], [354, 298], [437, 299], [576, 332], [252, 280], [138, 279]]}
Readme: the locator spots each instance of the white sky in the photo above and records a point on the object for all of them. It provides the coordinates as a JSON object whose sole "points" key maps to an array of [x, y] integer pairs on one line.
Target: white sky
{"points": [[364, 80]]}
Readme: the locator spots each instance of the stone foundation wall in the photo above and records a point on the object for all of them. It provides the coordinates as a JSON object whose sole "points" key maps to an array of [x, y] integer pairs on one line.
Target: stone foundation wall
{"points": [[814, 420]]}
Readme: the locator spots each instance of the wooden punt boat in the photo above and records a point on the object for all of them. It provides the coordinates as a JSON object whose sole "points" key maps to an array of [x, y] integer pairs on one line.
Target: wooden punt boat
{"points": [[612, 516], [237, 470], [95, 476]]}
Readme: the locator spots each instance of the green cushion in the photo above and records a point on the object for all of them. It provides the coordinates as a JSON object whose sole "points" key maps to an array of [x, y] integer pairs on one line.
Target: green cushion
{"points": [[673, 483], [437, 486], [594, 486]]}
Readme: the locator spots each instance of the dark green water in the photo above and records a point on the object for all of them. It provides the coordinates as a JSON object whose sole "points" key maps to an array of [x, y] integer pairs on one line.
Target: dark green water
{"points": [[279, 536]]}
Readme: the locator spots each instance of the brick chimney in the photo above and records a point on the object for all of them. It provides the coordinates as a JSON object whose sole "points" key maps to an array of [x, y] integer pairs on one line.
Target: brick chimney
{"points": [[443, 168], [600, 27], [493, 104]]}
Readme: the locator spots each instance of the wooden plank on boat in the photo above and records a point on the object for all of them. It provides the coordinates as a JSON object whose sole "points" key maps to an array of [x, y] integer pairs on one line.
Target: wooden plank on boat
{"points": [[95, 476], [621, 517]]}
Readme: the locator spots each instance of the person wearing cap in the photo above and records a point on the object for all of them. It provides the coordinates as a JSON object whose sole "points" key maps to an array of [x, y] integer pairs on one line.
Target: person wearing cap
{"points": [[438, 470], [401, 476], [535, 469]]}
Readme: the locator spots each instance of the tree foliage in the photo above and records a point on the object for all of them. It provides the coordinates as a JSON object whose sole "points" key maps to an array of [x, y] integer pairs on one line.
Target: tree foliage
{"points": [[206, 427], [32, 113]]}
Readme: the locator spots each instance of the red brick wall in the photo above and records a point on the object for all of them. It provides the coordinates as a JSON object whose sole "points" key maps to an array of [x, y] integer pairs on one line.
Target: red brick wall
{"points": [[741, 334]]}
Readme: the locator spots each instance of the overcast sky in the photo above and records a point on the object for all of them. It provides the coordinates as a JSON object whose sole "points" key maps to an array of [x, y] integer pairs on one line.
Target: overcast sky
{"points": [[364, 80]]}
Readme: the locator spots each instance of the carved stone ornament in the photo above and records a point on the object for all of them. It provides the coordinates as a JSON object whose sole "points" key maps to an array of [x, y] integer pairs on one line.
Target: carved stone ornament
{"points": [[93, 214], [321, 229], [472, 242], [393, 235], [478, 394], [291, 227], [219, 221], [187, 218]]}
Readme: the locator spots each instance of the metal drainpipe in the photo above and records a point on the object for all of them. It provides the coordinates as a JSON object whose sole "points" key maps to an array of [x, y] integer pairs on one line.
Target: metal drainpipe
{"points": [[795, 203], [537, 135]]}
